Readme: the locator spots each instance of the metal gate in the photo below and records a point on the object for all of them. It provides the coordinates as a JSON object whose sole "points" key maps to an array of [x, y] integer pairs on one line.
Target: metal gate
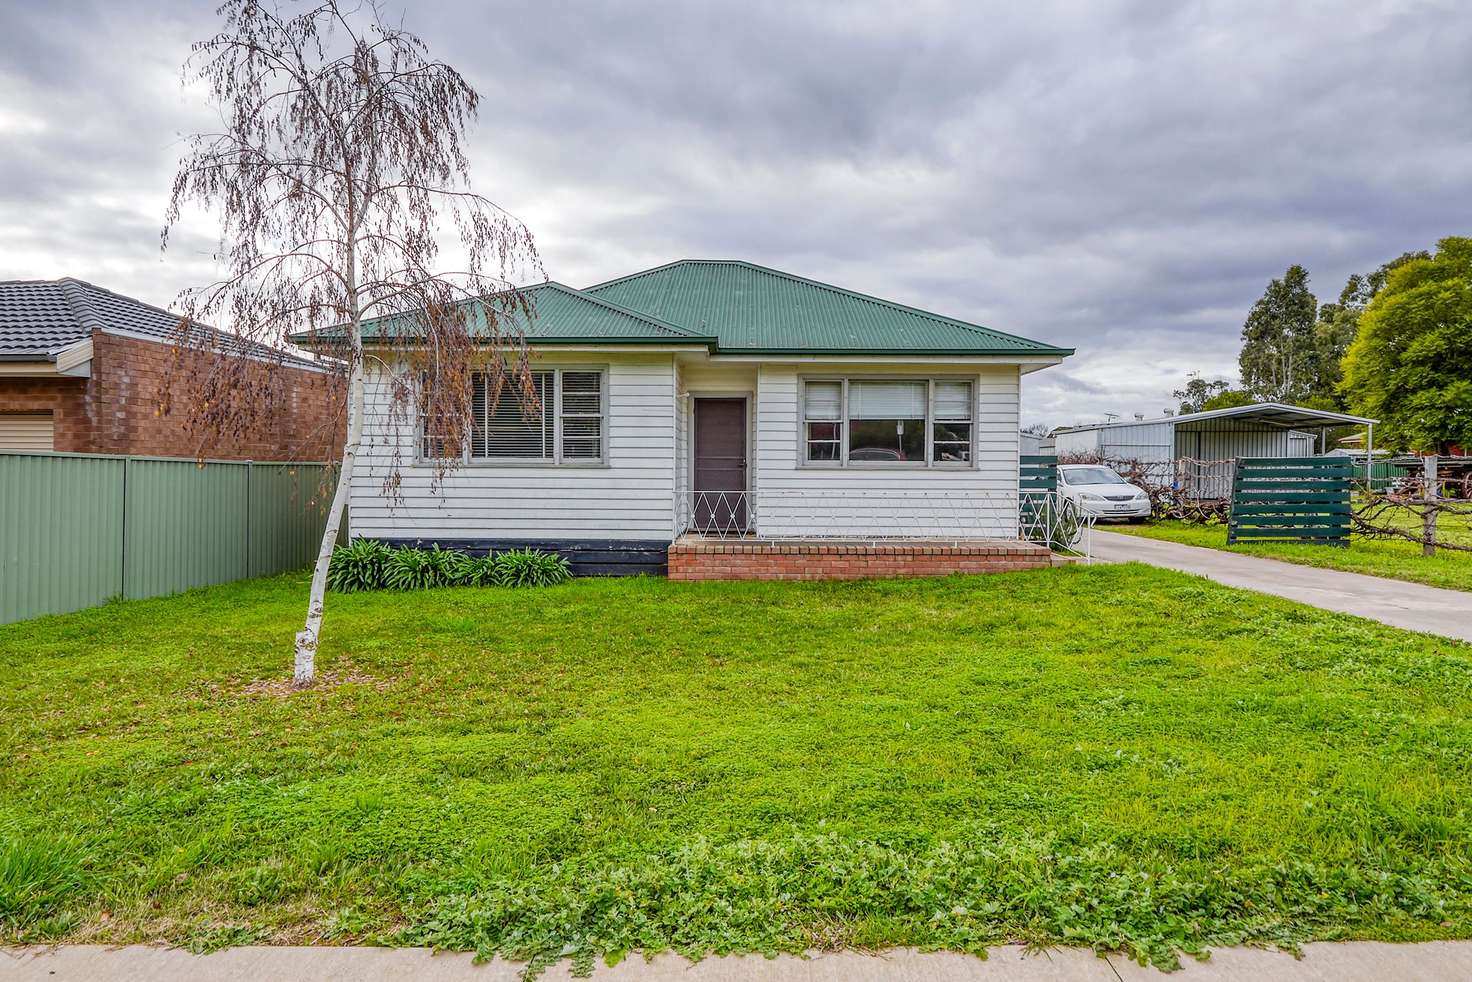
{"points": [[1291, 499]]}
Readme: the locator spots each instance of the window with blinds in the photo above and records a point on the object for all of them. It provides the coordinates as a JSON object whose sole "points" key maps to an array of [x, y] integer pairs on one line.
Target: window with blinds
{"points": [[562, 422], [925, 422], [950, 424]]}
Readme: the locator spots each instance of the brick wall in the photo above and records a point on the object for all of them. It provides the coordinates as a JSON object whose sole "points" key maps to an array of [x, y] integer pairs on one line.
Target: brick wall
{"points": [[130, 375], [116, 411], [695, 558], [66, 399]]}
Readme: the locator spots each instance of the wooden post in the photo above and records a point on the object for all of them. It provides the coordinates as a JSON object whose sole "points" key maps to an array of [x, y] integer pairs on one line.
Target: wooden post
{"points": [[1428, 516]]}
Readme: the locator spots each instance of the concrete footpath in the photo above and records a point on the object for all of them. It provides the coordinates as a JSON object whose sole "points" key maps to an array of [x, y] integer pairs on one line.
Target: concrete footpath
{"points": [[1440, 961], [1395, 602]]}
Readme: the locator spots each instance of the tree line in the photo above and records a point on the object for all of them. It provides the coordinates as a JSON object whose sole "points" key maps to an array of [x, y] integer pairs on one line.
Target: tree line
{"points": [[1396, 346]]}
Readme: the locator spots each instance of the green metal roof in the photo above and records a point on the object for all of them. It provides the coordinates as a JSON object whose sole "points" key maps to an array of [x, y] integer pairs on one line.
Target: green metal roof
{"points": [[562, 315], [754, 310], [735, 307]]}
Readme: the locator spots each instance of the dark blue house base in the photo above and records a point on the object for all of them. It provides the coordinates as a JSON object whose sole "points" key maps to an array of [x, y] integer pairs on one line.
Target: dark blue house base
{"points": [[587, 557]]}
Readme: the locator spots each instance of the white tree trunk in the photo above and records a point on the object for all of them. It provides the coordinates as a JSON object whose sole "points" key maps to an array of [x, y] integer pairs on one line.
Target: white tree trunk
{"points": [[305, 672]]}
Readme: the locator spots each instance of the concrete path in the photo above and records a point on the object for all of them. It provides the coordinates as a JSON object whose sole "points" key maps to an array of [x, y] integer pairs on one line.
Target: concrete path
{"points": [[1394, 602], [1442, 961]]}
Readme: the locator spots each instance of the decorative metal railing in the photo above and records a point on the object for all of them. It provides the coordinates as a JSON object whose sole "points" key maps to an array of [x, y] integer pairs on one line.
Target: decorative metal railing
{"points": [[877, 515]]}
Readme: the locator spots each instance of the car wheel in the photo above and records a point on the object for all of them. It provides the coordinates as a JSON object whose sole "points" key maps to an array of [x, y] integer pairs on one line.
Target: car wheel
{"points": [[1137, 520]]}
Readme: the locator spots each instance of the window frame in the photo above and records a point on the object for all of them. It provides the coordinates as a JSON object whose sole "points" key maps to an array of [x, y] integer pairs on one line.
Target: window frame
{"points": [[843, 462], [556, 460]]}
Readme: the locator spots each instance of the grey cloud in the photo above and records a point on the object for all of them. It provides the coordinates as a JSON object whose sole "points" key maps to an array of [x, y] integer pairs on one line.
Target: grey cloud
{"points": [[1120, 177]]}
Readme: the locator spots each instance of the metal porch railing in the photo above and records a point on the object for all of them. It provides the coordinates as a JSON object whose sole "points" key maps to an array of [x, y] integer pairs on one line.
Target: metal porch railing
{"points": [[869, 515]]}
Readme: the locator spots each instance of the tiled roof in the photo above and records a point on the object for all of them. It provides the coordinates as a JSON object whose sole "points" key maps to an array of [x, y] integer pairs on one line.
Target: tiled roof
{"points": [[38, 318]]}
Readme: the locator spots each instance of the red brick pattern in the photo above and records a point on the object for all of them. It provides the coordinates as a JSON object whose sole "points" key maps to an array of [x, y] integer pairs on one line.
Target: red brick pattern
{"points": [[116, 410], [696, 558], [68, 400]]}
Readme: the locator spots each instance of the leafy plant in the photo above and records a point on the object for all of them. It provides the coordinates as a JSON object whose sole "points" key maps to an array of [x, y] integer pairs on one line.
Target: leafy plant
{"points": [[530, 567], [358, 566], [479, 571], [412, 569], [446, 566]]}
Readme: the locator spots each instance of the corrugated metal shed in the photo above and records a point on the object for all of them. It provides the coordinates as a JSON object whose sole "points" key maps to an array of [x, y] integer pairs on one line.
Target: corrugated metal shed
{"points": [[1262, 430]]}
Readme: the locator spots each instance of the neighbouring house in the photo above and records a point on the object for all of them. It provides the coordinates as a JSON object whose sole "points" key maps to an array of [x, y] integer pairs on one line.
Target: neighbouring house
{"points": [[83, 369], [747, 417], [1194, 451]]}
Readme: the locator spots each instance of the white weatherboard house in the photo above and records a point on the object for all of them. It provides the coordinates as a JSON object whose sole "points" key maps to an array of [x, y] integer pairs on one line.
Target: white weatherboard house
{"points": [[718, 396]]}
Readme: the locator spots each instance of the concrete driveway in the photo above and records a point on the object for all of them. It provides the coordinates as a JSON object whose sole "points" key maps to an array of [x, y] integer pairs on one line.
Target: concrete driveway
{"points": [[1394, 602]]}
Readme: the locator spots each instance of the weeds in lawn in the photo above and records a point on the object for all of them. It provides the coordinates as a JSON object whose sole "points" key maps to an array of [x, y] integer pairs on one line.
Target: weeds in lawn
{"points": [[961, 894], [38, 874]]}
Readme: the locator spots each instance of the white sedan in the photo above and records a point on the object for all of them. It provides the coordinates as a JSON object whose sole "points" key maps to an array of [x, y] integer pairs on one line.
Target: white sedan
{"points": [[1100, 492]]}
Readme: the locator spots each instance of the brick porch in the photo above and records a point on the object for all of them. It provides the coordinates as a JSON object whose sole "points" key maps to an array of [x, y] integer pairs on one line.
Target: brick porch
{"points": [[695, 557]]}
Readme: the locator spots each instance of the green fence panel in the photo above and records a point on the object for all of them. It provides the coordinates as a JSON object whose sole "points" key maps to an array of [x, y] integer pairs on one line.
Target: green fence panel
{"points": [[185, 525], [1037, 474], [78, 529], [1291, 499], [288, 507], [61, 533]]}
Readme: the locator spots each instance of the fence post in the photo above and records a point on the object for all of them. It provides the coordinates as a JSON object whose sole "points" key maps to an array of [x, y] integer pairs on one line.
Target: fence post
{"points": [[249, 480], [1428, 514], [123, 550]]}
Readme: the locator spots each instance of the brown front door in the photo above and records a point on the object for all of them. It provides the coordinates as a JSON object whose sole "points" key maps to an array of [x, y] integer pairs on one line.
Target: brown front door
{"points": [[720, 465]]}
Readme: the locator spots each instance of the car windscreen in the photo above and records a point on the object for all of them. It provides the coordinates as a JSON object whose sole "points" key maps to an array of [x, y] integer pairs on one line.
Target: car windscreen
{"points": [[1090, 475]]}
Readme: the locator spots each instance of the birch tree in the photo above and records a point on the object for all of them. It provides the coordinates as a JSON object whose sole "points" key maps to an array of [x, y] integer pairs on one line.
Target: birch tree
{"points": [[337, 175]]}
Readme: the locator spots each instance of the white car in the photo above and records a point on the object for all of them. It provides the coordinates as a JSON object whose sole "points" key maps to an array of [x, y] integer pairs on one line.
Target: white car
{"points": [[1100, 492]]}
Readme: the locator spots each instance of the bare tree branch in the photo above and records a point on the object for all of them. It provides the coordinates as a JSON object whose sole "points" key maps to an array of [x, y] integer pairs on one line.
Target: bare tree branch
{"points": [[339, 163]]}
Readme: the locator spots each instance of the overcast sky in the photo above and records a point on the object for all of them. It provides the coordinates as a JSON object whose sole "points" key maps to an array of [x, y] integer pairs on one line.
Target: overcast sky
{"points": [[1123, 178]]}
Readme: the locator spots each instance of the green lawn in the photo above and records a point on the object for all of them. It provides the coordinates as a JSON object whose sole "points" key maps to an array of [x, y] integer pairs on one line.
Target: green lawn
{"points": [[1112, 756], [1394, 558]]}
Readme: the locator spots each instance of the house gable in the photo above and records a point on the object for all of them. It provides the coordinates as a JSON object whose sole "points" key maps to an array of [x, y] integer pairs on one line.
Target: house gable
{"points": [[751, 309]]}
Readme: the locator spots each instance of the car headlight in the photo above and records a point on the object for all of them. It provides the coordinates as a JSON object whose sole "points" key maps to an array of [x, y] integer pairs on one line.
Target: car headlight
{"points": [[1090, 496]]}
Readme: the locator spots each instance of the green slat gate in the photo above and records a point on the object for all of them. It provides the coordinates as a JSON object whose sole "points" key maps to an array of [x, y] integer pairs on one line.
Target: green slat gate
{"points": [[1037, 475], [1291, 499]]}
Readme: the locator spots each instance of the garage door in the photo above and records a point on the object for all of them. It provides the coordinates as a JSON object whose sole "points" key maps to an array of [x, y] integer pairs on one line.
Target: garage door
{"points": [[25, 431]]}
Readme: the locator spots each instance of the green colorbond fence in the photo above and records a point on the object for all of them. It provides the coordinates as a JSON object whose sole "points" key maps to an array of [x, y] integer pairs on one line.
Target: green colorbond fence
{"points": [[79, 529], [1038, 474], [1291, 499]]}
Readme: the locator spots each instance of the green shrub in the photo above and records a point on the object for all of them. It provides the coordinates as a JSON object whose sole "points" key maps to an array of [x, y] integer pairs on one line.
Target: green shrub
{"points": [[358, 566], [530, 567], [371, 565], [480, 571], [408, 568]]}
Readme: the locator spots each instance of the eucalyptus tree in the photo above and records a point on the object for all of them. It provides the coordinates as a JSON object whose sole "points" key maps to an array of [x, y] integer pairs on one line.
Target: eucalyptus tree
{"points": [[337, 176], [1278, 357]]}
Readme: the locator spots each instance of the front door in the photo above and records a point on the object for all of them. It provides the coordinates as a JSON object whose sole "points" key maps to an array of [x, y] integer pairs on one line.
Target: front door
{"points": [[720, 465]]}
